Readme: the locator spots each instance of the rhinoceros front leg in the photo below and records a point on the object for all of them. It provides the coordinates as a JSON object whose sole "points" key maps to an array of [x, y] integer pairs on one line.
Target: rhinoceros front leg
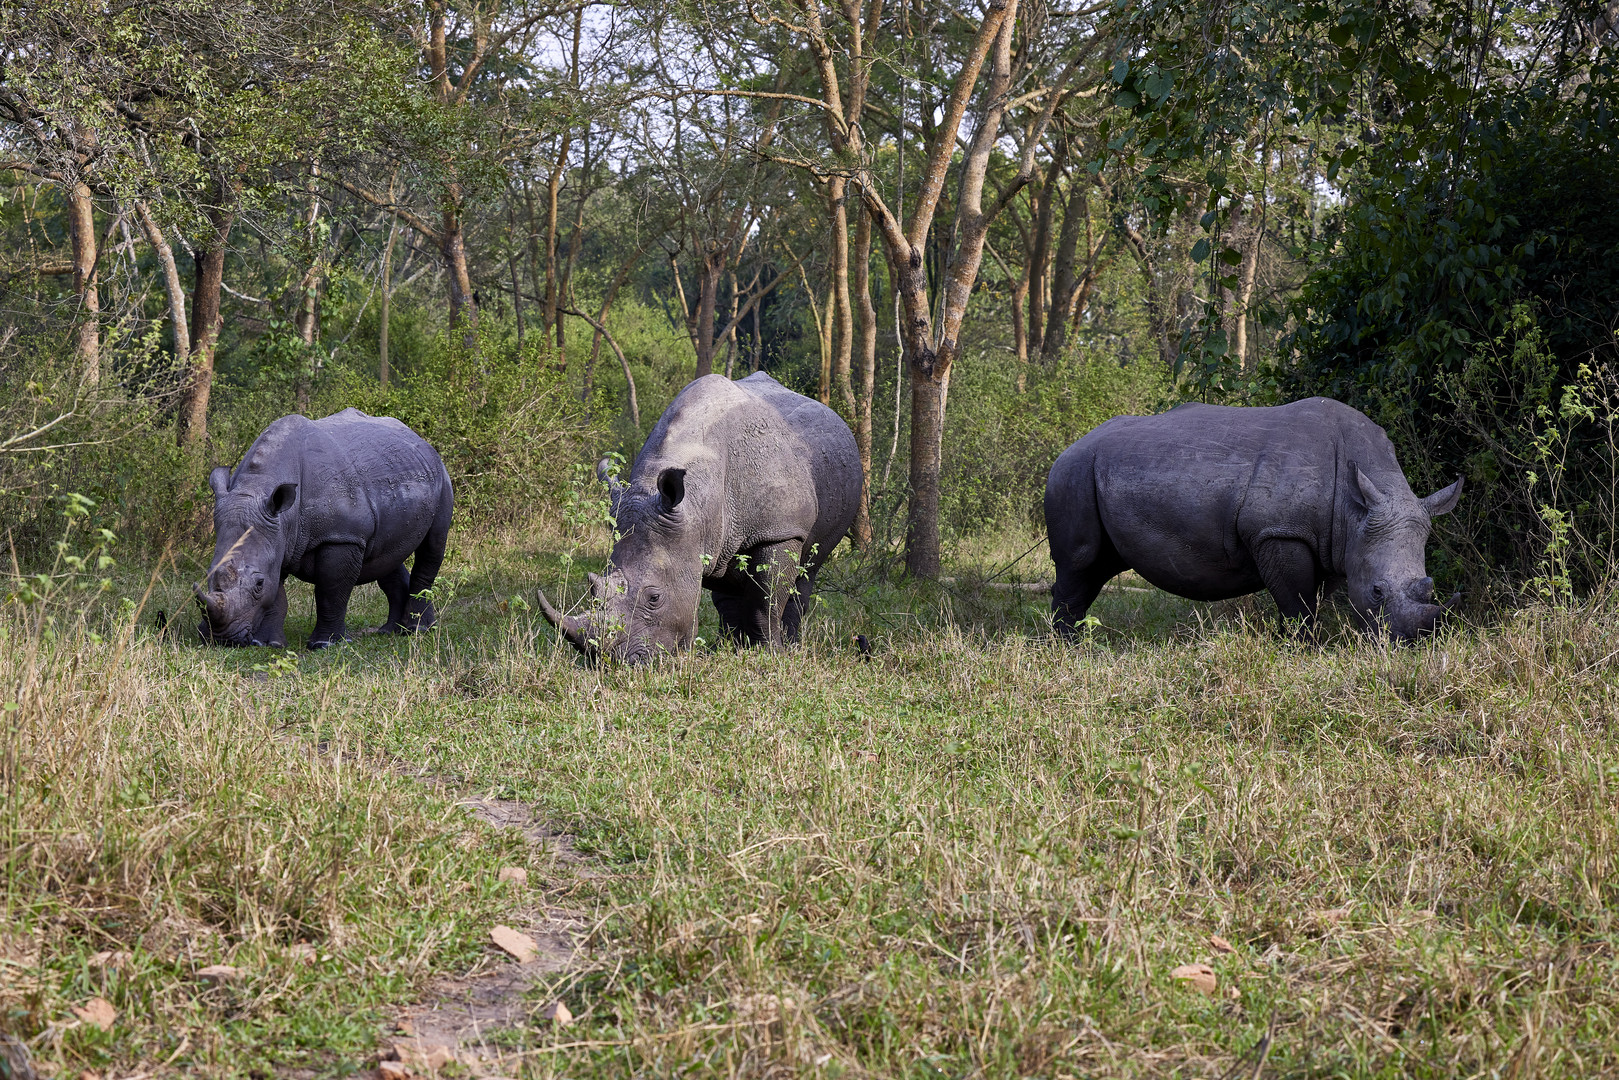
{"points": [[1288, 569], [337, 569], [272, 627], [779, 570]]}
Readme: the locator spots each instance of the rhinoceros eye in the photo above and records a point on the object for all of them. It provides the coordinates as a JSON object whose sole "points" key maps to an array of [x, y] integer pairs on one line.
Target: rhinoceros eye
{"points": [[653, 598]]}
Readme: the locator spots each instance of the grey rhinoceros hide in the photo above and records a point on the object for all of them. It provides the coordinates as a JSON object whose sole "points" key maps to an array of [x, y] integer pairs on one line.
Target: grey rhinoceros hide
{"points": [[1211, 502], [743, 488], [335, 502]]}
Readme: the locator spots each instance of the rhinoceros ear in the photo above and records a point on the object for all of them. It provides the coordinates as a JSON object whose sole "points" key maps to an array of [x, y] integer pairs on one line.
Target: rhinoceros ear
{"points": [[604, 473], [672, 486], [1369, 495], [1444, 500], [219, 479], [281, 498]]}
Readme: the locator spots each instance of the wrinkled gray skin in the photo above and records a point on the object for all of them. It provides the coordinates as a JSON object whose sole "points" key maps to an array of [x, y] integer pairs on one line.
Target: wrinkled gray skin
{"points": [[743, 488], [1211, 502], [335, 502]]}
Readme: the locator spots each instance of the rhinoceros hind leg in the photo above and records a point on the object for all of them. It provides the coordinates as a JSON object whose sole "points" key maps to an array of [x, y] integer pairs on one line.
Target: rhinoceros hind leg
{"points": [[1288, 568], [744, 620], [337, 569], [424, 568], [1077, 587], [396, 587]]}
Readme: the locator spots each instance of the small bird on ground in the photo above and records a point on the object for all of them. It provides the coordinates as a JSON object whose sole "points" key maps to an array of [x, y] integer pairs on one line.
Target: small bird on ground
{"points": [[162, 620], [864, 646]]}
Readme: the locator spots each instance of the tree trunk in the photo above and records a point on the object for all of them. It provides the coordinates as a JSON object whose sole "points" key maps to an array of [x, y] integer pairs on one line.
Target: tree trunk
{"points": [[1238, 299], [387, 302], [1039, 265], [463, 311], [553, 192], [82, 228], [192, 425], [171, 284], [868, 373], [930, 385], [710, 269], [841, 314], [307, 322], [1020, 332], [1075, 223]]}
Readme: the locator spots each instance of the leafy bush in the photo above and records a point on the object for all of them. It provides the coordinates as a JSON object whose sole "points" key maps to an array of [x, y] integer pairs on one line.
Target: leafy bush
{"points": [[502, 417], [1470, 289], [997, 451]]}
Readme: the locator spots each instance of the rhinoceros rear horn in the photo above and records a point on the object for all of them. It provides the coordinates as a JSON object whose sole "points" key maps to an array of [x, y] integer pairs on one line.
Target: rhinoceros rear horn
{"points": [[604, 473], [219, 480], [570, 627]]}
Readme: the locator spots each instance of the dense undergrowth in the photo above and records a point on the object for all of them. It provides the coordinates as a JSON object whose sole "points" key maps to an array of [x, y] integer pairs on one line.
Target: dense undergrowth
{"points": [[979, 851]]}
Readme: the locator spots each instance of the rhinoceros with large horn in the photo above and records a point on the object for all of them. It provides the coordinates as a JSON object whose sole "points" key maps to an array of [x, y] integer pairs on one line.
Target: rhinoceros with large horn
{"points": [[743, 489], [1211, 502], [335, 502]]}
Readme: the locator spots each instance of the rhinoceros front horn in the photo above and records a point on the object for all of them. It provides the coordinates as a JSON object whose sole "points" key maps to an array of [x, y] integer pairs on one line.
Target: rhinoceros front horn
{"points": [[569, 626]]}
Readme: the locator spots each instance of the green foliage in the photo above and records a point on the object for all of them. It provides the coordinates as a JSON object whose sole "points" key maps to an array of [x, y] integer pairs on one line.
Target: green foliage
{"points": [[502, 417], [1465, 295], [998, 450]]}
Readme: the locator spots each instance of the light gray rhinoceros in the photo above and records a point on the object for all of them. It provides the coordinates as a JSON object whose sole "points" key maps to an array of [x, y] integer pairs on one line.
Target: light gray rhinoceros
{"points": [[1211, 502], [743, 488], [335, 502]]}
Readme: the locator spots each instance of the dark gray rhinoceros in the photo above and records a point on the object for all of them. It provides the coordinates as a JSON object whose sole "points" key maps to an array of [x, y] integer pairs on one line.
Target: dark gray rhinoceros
{"points": [[1211, 502], [743, 488], [334, 502]]}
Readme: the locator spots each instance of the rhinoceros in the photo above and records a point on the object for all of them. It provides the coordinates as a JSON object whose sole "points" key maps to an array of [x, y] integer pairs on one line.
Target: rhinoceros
{"points": [[743, 488], [335, 502], [1211, 502]]}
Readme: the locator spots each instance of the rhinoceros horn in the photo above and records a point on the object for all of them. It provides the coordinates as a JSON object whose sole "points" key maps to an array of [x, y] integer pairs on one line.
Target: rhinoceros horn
{"points": [[571, 627]]}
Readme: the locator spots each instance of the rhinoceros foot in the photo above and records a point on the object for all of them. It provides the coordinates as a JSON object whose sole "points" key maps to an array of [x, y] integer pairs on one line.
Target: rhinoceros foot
{"points": [[326, 643]]}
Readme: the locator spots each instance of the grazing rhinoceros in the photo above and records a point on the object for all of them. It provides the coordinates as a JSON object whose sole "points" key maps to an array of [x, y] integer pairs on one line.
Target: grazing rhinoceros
{"points": [[743, 488], [335, 502], [1211, 502]]}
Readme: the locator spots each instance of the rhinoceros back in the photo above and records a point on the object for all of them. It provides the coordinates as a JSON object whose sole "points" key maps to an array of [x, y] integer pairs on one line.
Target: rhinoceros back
{"points": [[788, 465], [366, 480]]}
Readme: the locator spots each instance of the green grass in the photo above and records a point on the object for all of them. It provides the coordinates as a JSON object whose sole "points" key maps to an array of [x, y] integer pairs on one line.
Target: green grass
{"points": [[980, 853]]}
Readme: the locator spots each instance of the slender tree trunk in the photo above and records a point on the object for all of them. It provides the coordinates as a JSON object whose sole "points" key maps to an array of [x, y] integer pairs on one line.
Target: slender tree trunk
{"points": [[1238, 300], [1065, 288], [710, 268], [387, 303], [452, 245], [842, 315], [758, 341], [553, 192], [1045, 199], [171, 283], [868, 373], [307, 322], [1020, 332], [82, 229], [205, 323]]}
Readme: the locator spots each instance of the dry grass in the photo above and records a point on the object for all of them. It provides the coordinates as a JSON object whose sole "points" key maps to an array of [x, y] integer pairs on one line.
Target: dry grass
{"points": [[980, 853]]}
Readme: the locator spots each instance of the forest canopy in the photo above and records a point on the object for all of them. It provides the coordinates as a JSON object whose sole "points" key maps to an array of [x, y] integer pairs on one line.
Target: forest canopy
{"points": [[975, 231]]}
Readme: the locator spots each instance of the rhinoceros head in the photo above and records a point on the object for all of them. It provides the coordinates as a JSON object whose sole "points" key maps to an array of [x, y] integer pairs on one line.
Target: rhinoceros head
{"points": [[1389, 586], [646, 603], [251, 523]]}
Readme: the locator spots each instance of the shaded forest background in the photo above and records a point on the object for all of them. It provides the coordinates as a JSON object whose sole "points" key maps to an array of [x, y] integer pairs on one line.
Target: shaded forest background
{"points": [[976, 231]]}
